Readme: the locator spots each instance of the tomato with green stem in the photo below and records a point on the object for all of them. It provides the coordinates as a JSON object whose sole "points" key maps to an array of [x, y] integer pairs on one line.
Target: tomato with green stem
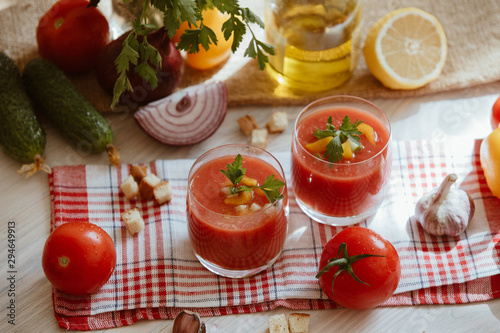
{"points": [[78, 258], [71, 35], [359, 269]]}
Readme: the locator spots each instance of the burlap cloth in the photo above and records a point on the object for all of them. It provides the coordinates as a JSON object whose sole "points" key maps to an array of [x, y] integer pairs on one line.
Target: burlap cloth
{"points": [[472, 29]]}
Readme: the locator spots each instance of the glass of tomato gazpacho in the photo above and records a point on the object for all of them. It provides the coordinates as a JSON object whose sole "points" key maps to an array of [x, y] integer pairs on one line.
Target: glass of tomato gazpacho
{"points": [[341, 159], [237, 210]]}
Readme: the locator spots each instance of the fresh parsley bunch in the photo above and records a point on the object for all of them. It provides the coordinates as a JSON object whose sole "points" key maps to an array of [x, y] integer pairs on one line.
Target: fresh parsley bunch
{"points": [[235, 172], [147, 58]]}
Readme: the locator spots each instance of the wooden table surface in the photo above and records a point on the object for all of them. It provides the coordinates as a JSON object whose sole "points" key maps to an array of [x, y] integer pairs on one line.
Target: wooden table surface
{"points": [[447, 116]]}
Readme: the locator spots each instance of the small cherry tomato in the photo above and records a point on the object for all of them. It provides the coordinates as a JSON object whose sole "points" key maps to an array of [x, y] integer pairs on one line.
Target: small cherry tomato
{"points": [[71, 35], [78, 258], [359, 269], [495, 114], [216, 54]]}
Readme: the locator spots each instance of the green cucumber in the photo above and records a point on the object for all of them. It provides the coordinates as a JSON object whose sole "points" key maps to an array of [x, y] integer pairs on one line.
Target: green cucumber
{"points": [[71, 112], [21, 134]]}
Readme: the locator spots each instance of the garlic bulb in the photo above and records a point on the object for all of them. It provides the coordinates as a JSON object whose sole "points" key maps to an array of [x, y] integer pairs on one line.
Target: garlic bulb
{"points": [[445, 210]]}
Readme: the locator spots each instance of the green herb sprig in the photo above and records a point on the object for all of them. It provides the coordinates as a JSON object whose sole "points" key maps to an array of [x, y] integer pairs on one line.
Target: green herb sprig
{"points": [[175, 12], [235, 172], [345, 131]]}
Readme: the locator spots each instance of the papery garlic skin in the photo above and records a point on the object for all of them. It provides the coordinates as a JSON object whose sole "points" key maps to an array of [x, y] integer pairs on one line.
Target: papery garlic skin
{"points": [[445, 210], [210, 328], [187, 322]]}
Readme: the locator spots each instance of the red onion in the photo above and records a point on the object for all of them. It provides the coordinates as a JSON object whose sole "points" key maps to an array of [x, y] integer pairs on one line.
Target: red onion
{"points": [[186, 117], [169, 75]]}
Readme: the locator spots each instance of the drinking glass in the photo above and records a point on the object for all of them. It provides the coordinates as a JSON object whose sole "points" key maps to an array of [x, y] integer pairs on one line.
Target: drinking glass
{"points": [[226, 243], [346, 192]]}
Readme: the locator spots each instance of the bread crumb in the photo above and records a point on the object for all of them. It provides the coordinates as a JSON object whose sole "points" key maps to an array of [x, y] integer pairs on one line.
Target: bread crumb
{"points": [[278, 324], [163, 192], [247, 124], [298, 322], [259, 138], [130, 187], [147, 185], [133, 220], [138, 172], [277, 123]]}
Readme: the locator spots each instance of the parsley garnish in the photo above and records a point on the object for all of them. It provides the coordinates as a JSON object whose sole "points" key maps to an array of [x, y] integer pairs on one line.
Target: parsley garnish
{"points": [[174, 13], [345, 131], [235, 172]]}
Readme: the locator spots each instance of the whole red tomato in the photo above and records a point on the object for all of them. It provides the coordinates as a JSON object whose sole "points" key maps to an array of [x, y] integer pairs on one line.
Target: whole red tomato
{"points": [[72, 35], [495, 114], [78, 258], [375, 265]]}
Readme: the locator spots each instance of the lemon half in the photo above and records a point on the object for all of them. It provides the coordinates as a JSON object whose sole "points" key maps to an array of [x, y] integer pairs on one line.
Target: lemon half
{"points": [[406, 49]]}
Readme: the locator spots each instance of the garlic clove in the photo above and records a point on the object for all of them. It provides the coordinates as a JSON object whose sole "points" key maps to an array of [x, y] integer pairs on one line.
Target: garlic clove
{"points": [[210, 328], [445, 210], [187, 322]]}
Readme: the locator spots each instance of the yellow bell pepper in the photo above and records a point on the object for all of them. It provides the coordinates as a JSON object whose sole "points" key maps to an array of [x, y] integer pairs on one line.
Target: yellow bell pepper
{"points": [[368, 131], [319, 146], [489, 155], [239, 198], [347, 151]]}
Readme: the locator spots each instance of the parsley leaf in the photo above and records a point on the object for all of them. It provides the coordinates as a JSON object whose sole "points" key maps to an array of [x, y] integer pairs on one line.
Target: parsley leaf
{"points": [[345, 131], [271, 187], [235, 171], [329, 131], [235, 27], [142, 54], [174, 13], [334, 150]]}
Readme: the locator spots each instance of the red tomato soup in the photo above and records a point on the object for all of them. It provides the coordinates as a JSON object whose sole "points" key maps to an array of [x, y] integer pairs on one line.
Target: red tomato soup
{"points": [[222, 233], [350, 187]]}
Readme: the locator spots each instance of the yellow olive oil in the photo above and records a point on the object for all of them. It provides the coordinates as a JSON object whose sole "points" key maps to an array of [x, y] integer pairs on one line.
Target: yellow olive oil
{"points": [[316, 43]]}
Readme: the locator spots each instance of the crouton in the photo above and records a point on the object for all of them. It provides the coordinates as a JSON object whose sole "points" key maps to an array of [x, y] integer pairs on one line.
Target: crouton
{"points": [[247, 124], [298, 322], [138, 172], [133, 220], [277, 123], [278, 324], [259, 138], [163, 192], [130, 187], [147, 185]]}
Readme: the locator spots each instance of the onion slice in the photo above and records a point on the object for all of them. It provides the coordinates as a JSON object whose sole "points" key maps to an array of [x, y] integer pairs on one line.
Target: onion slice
{"points": [[186, 117]]}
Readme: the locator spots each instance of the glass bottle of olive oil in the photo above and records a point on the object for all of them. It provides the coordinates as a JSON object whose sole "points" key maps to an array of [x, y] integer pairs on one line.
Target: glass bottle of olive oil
{"points": [[316, 42]]}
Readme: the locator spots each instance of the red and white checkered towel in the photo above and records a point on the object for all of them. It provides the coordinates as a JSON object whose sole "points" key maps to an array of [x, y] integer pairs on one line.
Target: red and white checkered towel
{"points": [[157, 274]]}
